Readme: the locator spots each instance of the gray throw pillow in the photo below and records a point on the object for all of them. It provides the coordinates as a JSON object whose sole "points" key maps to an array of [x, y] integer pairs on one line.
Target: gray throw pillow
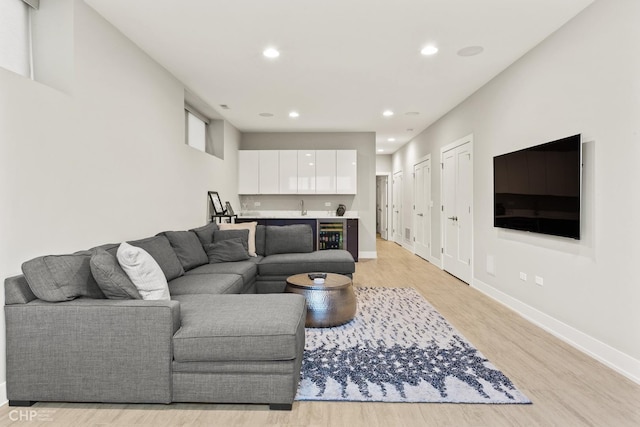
{"points": [[188, 248], [57, 278], [288, 239], [111, 278], [220, 235], [205, 233], [228, 250], [161, 251]]}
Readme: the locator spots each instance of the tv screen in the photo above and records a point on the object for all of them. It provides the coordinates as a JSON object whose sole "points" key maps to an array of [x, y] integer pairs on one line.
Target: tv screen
{"points": [[538, 189]]}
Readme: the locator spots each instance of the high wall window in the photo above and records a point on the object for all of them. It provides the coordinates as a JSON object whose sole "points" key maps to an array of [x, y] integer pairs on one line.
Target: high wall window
{"points": [[15, 36], [204, 130], [197, 130]]}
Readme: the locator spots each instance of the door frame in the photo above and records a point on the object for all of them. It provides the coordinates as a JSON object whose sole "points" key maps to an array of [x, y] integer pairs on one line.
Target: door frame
{"points": [[386, 212], [444, 149], [430, 206], [400, 212]]}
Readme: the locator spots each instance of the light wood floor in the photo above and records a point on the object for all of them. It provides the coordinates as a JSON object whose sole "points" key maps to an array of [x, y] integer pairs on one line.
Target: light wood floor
{"points": [[567, 387]]}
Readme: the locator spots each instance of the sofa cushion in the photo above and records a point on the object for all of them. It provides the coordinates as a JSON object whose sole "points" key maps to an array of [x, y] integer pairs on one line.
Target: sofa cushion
{"points": [[205, 233], [188, 249], [229, 250], [112, 248], [247, 269], [144, 271], [206, 284], [61, 277], [111, 278], [17, 290], [251, 238], [217, 328], [328, 261], [160, 249], [286, 239], [261, 231]]}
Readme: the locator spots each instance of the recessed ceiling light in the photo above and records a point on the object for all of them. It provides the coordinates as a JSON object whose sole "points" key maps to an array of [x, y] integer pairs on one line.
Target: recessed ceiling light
{"points": [[271, 53], [294, 114], [266, 114], [380, 150], [391, 139], [429, 50], [470, 51], [387, 113]]}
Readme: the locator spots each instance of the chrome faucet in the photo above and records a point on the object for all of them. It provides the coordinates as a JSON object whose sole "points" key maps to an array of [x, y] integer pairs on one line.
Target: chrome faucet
{"points": [[302, 211]]}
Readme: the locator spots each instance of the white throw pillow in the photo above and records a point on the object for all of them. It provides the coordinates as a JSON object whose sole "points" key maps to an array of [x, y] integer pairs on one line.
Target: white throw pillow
{"points": [[144, 272], [251, 226]]}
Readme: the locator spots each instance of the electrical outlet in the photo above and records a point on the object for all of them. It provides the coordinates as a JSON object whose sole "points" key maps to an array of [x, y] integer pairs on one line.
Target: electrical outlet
{"points": [[491, 267], [327, 204], [523, 276], [256, 204], [539, 281]]}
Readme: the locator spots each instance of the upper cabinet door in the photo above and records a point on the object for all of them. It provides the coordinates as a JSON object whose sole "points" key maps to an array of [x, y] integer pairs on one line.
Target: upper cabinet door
{"points": [[269, 172], [347, 172], [288, 171], [325, 171], [248, 171], [306, 172]]}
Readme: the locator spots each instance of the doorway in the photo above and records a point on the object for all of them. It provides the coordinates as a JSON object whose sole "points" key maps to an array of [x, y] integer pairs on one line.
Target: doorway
{"points": [[382, 206], [422, 208], [396, 212], [457, 208]]}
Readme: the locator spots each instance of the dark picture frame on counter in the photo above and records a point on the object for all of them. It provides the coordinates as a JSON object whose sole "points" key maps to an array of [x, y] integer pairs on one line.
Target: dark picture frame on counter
{"points": [[229, 209], [216, 202]]}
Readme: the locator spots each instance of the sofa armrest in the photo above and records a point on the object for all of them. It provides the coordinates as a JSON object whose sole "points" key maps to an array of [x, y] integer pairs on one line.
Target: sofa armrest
{"points": [[89, 350]]}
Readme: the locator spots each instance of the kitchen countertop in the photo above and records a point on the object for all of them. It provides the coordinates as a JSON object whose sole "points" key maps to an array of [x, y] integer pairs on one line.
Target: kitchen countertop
{"points": [[297, 215]]}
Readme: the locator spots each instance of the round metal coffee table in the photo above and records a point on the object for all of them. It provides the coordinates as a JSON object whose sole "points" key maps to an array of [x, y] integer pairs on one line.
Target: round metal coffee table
{"points": [[330, 304]]}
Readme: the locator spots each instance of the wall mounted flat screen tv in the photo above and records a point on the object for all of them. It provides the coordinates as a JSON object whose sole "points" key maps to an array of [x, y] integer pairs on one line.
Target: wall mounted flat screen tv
{"points": [[538, 189]]}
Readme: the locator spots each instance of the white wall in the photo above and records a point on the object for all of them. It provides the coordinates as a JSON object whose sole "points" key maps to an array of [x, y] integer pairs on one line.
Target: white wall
{"points": [[582, 79], [103, 162], [364, 202], [383, 164]]}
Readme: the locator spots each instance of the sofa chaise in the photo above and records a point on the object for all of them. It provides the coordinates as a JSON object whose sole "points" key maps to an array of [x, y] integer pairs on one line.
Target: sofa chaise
{"points": [[228, 334]]}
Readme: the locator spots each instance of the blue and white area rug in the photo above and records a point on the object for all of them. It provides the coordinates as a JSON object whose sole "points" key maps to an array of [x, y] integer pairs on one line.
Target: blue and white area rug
{"points": [[398, 349]]}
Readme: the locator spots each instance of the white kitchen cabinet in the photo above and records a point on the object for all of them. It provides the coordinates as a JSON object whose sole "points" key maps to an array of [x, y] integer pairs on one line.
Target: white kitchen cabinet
{"points": [[297, 172], [325, 171], [288, 171], [306, 171], [269, 172], [248, 172], [346, 172]]}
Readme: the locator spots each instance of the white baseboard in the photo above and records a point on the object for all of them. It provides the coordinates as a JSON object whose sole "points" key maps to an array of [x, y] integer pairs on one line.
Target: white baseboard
{"points": [[368, 254], [3, 394], [614, 359]]}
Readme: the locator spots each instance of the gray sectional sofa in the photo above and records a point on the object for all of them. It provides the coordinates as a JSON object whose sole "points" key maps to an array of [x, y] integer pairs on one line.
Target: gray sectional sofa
{"points": [[227, 335]]}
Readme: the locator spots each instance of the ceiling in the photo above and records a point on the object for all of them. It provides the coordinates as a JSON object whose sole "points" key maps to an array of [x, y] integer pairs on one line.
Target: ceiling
{"points": [[342, 62]]}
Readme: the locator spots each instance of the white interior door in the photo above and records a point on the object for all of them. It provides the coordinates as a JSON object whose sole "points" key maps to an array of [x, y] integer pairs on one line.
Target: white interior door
{"points": [[381, 205], [397, 208], [384, 206], [422, 208], [457, 208]]}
